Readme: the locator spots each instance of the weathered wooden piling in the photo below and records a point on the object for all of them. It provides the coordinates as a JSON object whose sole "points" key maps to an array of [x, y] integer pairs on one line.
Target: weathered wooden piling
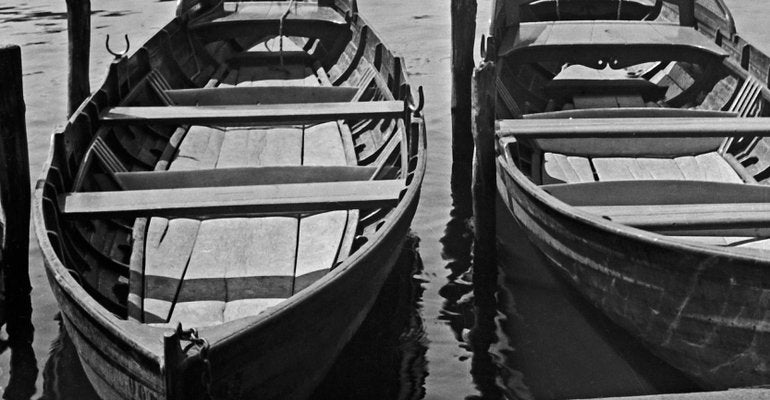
{"points": [[15, 196], [463, 13], [79, 34], [484, 182]]}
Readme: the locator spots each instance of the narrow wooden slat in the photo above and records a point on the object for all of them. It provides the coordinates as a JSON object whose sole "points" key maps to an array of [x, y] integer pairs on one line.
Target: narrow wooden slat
{"points": [[731, 219], [271, 114], [168, 247], [260, 95], [555, 38], [657, 192], [233, 200], [243, 176], [634, 127], [630, 112]]}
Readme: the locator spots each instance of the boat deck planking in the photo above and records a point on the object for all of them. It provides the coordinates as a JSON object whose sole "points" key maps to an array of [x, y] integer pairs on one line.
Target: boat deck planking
{"points": [[204, 281]]}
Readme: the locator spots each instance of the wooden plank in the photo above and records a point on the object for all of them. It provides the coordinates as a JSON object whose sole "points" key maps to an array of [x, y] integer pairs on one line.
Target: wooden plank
{"points": [[255, 20], [254, 114], [242, 176], [630, 112], [704, 167], [654, 36], [167, 251], [657, 192], [567, 169], [323, 145], [730, 219], [626, 147], [320, 235], [199, 149], [319, 241], [261, 95], [256, 146], [262, 266], [233, 200], [634, 127]]}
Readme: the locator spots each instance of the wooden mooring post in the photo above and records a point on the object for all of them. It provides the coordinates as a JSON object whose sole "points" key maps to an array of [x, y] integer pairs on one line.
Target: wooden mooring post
{"points": [[15, 197], [463, 14], [484, 181], [79, 35]]}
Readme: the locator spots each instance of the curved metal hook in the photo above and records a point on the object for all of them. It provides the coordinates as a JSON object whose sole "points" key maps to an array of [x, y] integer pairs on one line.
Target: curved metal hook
{"points": [[416, 110], [117, 55]]}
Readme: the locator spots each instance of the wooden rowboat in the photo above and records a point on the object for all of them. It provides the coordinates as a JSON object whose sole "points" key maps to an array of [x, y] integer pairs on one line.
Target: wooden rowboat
{"points": [[218, 218], [635, 157]]}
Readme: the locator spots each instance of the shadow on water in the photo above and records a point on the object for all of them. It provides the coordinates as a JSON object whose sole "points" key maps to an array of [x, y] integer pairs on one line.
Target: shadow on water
{"points": [[63, 375], [385, 359], [22, 14]]}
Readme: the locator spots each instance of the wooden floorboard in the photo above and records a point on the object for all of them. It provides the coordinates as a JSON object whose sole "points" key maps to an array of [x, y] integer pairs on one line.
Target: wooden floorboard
{"points": [[275, 250]]}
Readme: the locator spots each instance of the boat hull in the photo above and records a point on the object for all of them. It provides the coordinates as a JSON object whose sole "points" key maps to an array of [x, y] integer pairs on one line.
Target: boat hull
{"points": [[703, 311]]}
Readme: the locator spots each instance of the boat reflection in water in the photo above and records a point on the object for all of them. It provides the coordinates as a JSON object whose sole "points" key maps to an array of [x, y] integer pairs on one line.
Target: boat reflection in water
{"points": [[385, 359]]}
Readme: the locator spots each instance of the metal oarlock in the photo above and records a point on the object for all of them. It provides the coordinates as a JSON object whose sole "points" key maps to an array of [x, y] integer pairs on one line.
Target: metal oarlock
{"points": [[417, 109], [121, 54]]}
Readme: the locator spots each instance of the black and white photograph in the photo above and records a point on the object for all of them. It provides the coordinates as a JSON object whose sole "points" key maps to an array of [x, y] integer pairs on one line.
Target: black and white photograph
{"points": [[384, 199]]}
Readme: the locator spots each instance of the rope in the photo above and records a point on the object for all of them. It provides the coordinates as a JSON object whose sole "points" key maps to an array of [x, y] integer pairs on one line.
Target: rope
{"points": [[280, 30], [558, 11], [620, 6]]}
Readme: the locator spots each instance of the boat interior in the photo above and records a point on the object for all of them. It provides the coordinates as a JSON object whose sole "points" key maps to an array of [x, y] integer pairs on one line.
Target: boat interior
{"points": [[649, 124], [231, 162]]}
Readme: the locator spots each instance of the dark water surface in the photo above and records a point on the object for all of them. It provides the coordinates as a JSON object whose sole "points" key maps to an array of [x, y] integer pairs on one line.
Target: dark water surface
{"points": [[524, 335]]}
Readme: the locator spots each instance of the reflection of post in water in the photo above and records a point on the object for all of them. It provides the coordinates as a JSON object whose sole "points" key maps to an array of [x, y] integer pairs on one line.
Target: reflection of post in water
{"points": [[63, 375], [385, 359], [16, 309]]}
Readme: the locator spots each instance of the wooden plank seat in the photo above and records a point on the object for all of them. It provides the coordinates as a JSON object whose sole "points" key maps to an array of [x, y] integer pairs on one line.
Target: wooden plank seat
{"points": [[255, 19], [254, 114], [657, 192], [580, 80], [242, 176], [714, 219], [631, 112], [261, 95], [675, 207], [625, 147], [634, 127], [616, 43], [234, 200]]}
